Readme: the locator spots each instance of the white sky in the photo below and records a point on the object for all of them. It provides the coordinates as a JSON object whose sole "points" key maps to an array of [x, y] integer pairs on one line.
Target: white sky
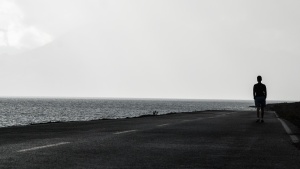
{"points": [[198, 49]]}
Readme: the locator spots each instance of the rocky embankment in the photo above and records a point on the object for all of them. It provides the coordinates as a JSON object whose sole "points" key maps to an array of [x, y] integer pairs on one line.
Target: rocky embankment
{"points": [[288, 111]]}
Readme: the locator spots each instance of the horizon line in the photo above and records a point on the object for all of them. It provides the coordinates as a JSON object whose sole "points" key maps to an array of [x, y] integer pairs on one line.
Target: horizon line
{"points": [[133, 98]]}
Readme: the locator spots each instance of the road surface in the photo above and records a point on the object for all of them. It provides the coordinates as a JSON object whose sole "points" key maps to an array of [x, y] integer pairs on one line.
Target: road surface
{"points": [[212, 139]]}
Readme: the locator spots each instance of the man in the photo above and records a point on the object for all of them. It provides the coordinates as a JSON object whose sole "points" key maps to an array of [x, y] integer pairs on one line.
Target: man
{"points": [[260, 95]]}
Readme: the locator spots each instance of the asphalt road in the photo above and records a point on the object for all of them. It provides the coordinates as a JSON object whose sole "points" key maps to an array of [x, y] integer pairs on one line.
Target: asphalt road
{"points": [[188, 140]]}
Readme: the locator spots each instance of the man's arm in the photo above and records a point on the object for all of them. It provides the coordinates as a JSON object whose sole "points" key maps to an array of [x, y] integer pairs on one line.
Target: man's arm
{"points": [[254, 91], [266, 91]]}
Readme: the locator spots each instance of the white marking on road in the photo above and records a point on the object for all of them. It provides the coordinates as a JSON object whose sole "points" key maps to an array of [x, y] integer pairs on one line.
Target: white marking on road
{"points": [[211, 117], [287, 129], [293, 137], [162, 125], [127, 131], [220, 115], [42, 147]]}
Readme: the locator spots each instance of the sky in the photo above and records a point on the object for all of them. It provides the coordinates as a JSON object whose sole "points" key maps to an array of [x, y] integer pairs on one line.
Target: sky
{"points": [[189, 49]]}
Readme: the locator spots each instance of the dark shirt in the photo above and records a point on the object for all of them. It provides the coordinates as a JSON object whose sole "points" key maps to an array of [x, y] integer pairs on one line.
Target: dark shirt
{"points": [[259, 89]]}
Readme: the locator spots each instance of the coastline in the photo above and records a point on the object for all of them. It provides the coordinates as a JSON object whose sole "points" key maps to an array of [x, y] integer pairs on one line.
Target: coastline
{"points": [[49, 130], [76, 123], [26, 111], [288, 111]]}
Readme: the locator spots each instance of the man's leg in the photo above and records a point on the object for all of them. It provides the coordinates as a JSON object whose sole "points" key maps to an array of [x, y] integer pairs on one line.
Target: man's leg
{"points": [[257, 111], [262, 114], [263, 110]]}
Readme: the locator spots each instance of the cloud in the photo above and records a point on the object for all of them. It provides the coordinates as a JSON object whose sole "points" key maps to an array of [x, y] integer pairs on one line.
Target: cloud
{"points": [[15, 33]]}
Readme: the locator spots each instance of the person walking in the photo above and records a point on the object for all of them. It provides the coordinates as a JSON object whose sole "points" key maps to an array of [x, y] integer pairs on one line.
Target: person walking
{"points": [[260, 95]]}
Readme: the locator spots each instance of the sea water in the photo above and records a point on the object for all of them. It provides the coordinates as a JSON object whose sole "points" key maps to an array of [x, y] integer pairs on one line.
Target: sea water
{"points": [[25, 111]]}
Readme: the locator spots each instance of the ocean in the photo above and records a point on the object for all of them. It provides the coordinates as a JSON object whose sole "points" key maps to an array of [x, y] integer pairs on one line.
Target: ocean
{"points": [[26, 111]]}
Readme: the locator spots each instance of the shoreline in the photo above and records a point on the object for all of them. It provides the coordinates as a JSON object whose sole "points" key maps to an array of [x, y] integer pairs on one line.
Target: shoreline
{"points": [[289, 111], [72, 129], [106, 119], [26, 111]]}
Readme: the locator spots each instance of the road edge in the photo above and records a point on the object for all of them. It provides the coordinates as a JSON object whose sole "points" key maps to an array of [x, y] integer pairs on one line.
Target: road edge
{"points": [[293, 137]]}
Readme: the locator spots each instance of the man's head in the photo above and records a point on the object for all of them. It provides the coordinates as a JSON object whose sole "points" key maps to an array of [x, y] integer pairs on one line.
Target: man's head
{"points": [[259, 79]]}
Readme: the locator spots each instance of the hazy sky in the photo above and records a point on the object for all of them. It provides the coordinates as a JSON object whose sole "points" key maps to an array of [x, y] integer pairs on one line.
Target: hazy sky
{"points": [[197, 49]]}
